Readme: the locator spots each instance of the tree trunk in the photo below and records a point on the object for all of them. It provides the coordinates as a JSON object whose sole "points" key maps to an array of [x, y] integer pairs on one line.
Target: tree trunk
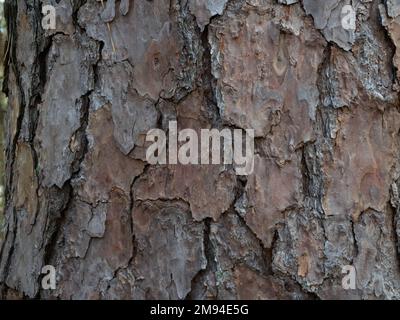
{"points": [[324, 194]]}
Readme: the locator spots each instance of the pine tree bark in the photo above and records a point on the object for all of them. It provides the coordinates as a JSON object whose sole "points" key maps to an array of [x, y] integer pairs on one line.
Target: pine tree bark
{"points": [[324, 104]]}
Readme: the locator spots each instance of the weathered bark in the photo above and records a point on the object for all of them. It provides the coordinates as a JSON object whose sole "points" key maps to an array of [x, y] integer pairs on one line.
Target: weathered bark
{"points": [[324, 104]]}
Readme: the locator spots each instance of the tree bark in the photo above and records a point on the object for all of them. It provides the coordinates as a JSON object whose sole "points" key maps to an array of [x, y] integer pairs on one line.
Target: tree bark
{"points": [[324, 193]]}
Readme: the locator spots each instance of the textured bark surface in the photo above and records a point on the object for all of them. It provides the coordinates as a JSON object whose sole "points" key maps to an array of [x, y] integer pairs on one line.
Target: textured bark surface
{"points": [[324, 104]]}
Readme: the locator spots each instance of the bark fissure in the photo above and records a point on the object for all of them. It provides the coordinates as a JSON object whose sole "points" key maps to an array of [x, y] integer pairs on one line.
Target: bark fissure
{"points": [[323, 103]]}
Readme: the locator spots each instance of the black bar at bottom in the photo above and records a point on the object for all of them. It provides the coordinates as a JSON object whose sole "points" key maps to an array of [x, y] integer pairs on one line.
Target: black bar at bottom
{"points": [[198, 309]]}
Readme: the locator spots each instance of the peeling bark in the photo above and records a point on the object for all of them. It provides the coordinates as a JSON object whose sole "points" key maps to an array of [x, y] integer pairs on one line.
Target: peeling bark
{"points": [[324, 104]]}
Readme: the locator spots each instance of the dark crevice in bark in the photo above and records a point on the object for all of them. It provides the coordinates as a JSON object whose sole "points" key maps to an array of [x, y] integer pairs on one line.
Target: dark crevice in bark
{"points": [[131, 206], [266, 252], [39, 79], [13, 64], [386, 37], [56, 220], [208, 81], [11, 11], [199, 279], [55, 229], [189, 57], [355, 243], [395, 213], [205, 81]]}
